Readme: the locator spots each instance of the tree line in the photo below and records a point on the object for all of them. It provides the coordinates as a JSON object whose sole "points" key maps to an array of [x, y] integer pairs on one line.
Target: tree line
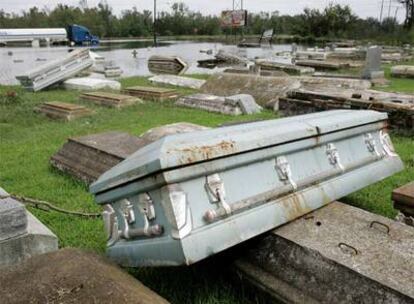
{"points": [[335, 22]]}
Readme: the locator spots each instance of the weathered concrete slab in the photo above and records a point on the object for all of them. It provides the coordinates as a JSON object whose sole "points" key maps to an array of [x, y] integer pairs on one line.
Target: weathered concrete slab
{"points": [[63, 111], [13, 218], [403, 198], [231, 57], [167, 65], [265, 90], [151, 93], [110, 99], [338, 254], [38, 239], [72, 276], [288, 68], [309, 55], [403, 71], [87, 157], [232, 105], [179, 81], [3, 193], [91, 84]]}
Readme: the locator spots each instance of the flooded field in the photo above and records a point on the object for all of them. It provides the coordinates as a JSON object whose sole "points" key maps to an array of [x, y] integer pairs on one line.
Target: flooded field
{"points": [[16, 60]]}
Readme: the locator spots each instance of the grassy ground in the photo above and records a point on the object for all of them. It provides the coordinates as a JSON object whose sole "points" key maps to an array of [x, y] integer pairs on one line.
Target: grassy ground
{"points": [[28, 140]]}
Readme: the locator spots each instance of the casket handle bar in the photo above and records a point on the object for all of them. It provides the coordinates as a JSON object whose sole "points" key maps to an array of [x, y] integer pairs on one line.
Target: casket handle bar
{"points": [[213, 215], [215, 187], [284, 171], [128, 218], [333, 156]]}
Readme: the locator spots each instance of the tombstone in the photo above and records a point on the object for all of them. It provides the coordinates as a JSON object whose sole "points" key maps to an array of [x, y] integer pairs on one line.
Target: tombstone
{"points": [[373, 64], [63, 111], [294, 49], [167, 65], [110, 99], [232, 105], [151, 93], [21, 234]]}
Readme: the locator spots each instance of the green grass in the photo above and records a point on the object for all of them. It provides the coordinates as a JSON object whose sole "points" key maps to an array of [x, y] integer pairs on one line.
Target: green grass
{"points": [[27, 141]]}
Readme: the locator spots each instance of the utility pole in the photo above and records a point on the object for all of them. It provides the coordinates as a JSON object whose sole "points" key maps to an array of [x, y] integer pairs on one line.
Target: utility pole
{"points": [[382, 10], [155, 23], [389, 9]]}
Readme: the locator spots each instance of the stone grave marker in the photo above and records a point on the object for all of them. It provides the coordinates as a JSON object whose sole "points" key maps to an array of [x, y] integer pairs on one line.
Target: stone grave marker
{"points": [[110, 99], [373, 63], [63, 111]]}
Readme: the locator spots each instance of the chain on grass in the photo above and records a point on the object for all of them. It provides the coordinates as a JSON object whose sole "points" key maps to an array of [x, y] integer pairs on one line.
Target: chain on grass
{"points": [[46, 206]]}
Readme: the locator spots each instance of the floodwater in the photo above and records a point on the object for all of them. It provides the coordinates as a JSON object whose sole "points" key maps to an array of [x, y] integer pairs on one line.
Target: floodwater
{"points": [[18, 60]]}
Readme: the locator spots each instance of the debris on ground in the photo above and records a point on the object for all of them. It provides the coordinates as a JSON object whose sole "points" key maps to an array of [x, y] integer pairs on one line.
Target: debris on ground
{"points": [[91, 84], [56, 71], [63, 111], [403, 199], [322, 65], [178, 81], [231, 105], [285, 67], [72, 276], [111, 100]]}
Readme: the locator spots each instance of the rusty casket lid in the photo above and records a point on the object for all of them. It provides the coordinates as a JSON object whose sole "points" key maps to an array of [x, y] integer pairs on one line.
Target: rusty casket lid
{"points": [[175, 151]]}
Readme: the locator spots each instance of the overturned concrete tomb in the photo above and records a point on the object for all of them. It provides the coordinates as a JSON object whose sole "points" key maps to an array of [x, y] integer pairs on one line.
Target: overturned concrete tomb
{"points": [[403, 199], [232, 105], [401, 115], [110, 99], [63, 111], [56, 71], [87, 157], [167, 65], [151, 93], [21, 234], [338, 254], [188, 196], [72, 276]]}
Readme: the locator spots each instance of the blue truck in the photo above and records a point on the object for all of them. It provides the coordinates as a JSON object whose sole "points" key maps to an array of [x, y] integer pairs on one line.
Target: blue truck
{"points": [[80, 35]]}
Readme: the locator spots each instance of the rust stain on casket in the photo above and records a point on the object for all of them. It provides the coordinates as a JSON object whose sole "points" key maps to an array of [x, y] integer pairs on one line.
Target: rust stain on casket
{"points": [[200, 153]]}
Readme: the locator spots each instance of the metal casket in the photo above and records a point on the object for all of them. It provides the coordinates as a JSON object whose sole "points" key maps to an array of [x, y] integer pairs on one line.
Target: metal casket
{"points": [[188, 196]]}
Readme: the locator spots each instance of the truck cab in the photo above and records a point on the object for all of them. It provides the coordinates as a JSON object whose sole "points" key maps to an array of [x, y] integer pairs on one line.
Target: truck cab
{"points": [[80, 35]]}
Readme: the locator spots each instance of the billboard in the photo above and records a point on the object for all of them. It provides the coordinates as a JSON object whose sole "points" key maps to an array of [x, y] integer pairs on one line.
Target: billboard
{"points": [[234, 18]]}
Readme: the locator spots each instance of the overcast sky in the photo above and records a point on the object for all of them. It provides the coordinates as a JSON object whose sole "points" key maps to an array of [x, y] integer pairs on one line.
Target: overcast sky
{"points": [[363, 8]]}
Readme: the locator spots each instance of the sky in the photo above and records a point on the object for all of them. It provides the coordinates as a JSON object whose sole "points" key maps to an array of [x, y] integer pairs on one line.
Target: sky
{"points": [[363, 8]]}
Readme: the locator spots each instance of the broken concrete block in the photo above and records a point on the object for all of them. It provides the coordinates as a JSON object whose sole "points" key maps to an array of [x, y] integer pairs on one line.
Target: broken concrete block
{"points": [[403, 71], [3, 193], [87, 157], [110, 99], [151, 93], [72, 276], [91, 84], [337, 254], [36, 240], [233, 105], [179, 81], [63, 111], [403, 199], [322, 65], [13, 218]]}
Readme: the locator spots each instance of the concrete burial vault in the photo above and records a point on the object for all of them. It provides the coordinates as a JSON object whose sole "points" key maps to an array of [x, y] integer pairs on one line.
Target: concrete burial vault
{"points": [[21, 234], [337, 254]]}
